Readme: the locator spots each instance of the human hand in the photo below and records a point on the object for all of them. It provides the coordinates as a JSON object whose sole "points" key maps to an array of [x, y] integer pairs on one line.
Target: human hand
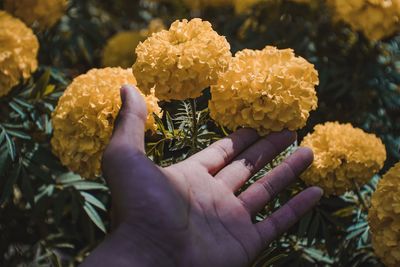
{"points": [[188, 214]]}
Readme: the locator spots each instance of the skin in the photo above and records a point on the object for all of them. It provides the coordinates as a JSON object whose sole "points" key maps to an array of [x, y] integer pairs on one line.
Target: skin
{"points": [[188, 214]]}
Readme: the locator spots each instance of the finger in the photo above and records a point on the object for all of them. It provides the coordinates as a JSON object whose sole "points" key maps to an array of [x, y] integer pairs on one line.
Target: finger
{"points": [[220, 153], [265, 189], [129, 126], [254, 158], [281, 220]]}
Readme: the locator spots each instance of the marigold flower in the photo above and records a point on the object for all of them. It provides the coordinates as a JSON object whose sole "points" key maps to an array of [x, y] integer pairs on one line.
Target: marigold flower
{"points": [[45, 12], [267, 90], [84, 118], [242, 6], [343, 156], [376, 19], [155, 25], [120, 48], [18, 52], [384, 218], [181, 62], [201, 4]]}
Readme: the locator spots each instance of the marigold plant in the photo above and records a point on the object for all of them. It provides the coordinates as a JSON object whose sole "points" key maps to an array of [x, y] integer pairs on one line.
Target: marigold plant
{"points": [[268, 90], [344, 157], [384, 218], [84, 118], [376, 19], [18, 52], [120, 48], [45, 12], [181, 62]]}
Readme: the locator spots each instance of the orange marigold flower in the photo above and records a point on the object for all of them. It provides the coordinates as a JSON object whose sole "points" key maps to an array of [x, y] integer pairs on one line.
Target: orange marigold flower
{"points": [[182, 61], [384, 218], [84, 118], [343, 156], [377, 19], [18, 52], [45, 13], [268, 90]]}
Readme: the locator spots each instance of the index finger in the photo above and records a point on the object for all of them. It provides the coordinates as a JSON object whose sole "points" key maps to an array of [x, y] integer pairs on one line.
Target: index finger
{"points": [[220, 153]]}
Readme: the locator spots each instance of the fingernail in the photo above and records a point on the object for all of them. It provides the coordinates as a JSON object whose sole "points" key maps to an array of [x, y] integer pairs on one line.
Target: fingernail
{"points": [[124, 90], [319, 190]]}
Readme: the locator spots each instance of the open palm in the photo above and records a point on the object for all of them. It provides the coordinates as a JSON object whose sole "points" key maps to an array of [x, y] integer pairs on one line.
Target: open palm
{"points": [[188, 214]]}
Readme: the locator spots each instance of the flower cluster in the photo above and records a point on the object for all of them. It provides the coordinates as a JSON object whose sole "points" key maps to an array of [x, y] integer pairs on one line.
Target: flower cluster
{"points": [[344, 156], [84, 118], [45, 12], [267, 90], [120, 48], [384, 218], [18, 52], [377, 19], [181, 62]]}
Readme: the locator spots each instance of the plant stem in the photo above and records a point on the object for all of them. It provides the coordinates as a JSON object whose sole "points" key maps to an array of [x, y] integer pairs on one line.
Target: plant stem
{"points": [[359, 195], [194, 123]]}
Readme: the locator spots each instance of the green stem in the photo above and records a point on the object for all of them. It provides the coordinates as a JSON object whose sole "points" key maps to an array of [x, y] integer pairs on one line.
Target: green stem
{"points": [[359, 195], [194, 123]]}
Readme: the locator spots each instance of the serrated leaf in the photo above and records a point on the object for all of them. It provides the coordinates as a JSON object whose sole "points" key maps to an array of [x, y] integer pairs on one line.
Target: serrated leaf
{"points": [[10, 147], [86, 185], [17, 109], [93, 200], [69, 177], [94, 216], [23, 103], [19, 134], [41, 84]]}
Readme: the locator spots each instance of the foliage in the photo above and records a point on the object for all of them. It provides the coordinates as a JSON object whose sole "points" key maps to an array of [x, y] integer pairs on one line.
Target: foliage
{"points": [[50, 217]]}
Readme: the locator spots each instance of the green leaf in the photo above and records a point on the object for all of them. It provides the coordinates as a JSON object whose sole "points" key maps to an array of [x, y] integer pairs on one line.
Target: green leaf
{"points": [[23, 103], [17, 109], [170, 123], [312, 232], [41, 84], [86, 185], [94, 216], [93, 200], [69, 177], [19, 134], [10, 147], [4, 159], [9, 185]]}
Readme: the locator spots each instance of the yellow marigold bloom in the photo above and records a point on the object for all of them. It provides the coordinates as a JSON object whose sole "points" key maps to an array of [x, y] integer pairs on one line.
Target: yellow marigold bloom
{"points": [[18, 52], [155, 25], [343, 155], [242, 6], [181, 62], [45, 12], [84, 118], [377, 19], [384, 218], [201, 4], [120, 48], [268, 90]]}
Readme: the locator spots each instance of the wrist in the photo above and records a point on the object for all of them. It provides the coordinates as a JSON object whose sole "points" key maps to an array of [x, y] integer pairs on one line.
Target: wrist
{"points": [[123, 248]]}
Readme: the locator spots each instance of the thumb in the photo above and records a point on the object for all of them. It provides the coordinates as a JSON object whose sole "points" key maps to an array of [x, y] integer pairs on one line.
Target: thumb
{"points": [[129, 126]]}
